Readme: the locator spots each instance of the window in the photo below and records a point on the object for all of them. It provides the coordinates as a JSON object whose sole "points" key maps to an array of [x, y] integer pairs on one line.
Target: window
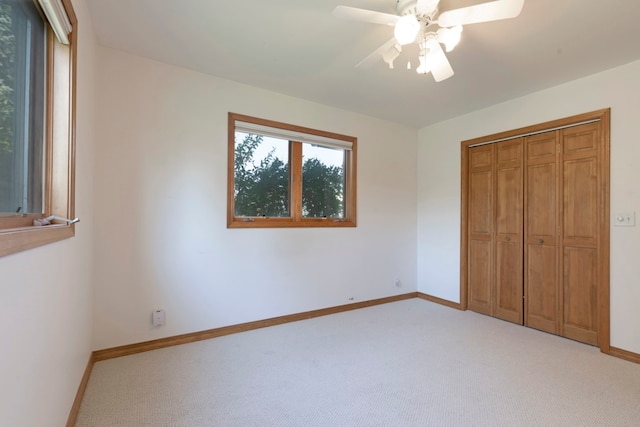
{"points": [[37, 71], [282, 175]]}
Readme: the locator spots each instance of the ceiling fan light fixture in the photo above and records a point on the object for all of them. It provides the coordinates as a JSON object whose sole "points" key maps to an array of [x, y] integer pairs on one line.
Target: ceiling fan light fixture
{"points": [[423, 68], [450, 37], [391, 54], [407, 29], [428, 57]]}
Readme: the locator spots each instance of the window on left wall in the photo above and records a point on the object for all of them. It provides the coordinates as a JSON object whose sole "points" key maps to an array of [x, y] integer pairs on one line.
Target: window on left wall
{"points": [[37, 121]]}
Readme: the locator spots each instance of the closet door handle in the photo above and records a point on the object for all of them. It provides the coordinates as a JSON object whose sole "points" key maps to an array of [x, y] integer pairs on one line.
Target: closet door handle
{"points": [[540, 241]]}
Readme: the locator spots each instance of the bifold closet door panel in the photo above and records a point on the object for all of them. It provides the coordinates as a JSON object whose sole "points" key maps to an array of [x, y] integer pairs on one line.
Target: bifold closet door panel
{"points": [[508, 226], [480, 220], [580, 318], [542, 303], [580, 238], [495, 230]]}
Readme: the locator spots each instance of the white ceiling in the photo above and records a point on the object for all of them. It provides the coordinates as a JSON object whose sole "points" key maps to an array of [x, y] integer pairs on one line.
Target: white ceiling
{"points": [[296, 47]]}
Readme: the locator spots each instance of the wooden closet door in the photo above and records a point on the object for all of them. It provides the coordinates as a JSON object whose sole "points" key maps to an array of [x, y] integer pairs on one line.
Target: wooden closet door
{"points": [[535, 227], [542, 305], [508, 230], [480, 222], [581, 182], [495, 230]]}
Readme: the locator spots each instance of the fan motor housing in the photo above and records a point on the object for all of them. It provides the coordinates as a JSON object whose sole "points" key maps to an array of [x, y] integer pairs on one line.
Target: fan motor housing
{"points": [[409, 7]]}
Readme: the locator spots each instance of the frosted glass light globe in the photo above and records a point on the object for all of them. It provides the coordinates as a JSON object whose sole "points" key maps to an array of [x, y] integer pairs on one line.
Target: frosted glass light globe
{"points": [[407, 28]]}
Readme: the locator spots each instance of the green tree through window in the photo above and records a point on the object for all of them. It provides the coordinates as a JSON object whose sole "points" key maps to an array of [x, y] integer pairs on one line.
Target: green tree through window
{"points": [[7, 82], [22, 106], [260, 189], [322, 190]]}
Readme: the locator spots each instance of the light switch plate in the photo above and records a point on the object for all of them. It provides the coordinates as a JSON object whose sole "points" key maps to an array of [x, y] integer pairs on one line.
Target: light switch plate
{"points": [[624, 219]]}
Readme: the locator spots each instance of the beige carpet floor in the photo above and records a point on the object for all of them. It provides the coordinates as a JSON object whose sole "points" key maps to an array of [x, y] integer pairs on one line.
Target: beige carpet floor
{"points": [[407, 363]]}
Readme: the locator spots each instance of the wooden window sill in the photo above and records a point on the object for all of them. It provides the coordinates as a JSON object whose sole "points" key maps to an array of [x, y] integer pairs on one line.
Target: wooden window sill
{"points": [[19, 239]]}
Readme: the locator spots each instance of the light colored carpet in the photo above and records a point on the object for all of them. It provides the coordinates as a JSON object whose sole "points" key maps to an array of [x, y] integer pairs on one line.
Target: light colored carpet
{"points": [[407, 363]]}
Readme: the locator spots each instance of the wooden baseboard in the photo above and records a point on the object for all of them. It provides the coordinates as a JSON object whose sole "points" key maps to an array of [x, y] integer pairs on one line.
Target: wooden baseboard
{"points": [[624, 354], [73, 413], [441, 301], [125, 350]]}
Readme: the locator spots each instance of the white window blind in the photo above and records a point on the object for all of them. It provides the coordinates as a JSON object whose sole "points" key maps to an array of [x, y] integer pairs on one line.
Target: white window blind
{"points": [[290, 135], [57, 17]]}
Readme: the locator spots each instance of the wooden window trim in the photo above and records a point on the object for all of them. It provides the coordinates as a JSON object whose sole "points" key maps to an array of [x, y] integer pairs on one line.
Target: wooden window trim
{"points": [[17, 233], [296, 219]]}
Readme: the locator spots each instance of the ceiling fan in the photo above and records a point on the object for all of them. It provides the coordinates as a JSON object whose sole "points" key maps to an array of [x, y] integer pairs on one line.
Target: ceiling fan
{"points": [[419, 21]]}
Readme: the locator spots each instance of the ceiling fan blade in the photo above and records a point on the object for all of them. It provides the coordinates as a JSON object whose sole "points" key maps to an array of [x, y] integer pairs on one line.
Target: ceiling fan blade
{"points": [[376, 55], [364, 15], [491, 11], [440, 68]]}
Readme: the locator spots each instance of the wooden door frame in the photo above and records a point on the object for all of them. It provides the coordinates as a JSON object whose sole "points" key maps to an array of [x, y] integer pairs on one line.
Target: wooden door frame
{"points": [[604, 116]]}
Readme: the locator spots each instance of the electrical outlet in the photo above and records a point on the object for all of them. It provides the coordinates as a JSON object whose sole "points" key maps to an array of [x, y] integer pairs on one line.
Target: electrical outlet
{"points": [[158, 317], [397, 283]]}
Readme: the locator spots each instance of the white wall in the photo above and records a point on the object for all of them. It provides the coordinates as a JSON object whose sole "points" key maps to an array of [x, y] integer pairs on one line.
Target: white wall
{"points": [[439, 184], [46, 293], [161, 183]]}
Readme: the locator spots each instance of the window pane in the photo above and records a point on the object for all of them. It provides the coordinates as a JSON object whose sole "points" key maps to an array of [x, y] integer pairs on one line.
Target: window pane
{"points": [[261, 176], [322, 182], [22, 100]]}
